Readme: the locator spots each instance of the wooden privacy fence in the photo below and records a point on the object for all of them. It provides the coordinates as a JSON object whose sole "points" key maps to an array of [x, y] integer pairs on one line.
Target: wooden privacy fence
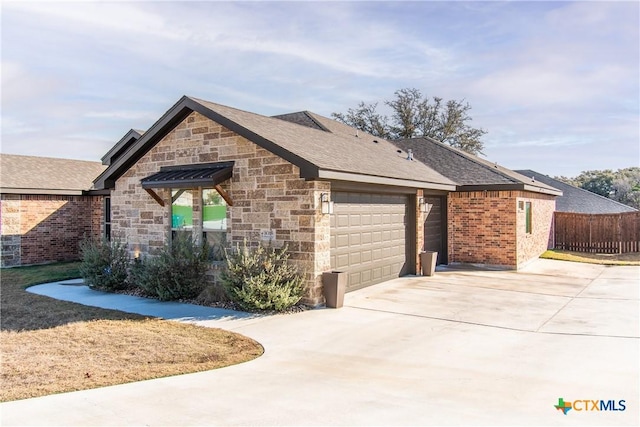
{"points": [[601, 233]]}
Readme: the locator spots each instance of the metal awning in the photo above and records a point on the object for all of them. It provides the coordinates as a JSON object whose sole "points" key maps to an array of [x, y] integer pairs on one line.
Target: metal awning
{"points": [[190, 176]]}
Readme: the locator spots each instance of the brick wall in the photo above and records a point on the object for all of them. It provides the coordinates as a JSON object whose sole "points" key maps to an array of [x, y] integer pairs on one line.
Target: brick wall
{"points": [[530, 246], [485, 227], [46, 228], [267, 194]]}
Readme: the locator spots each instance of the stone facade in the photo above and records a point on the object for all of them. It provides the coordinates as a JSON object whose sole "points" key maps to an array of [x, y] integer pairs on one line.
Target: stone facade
{"points": [[38, 229], [267, 192], [489, 228]]}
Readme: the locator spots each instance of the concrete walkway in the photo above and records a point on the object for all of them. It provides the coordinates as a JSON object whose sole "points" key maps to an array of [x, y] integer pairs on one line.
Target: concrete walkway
{"points": [[76, 291], [460, 348]]}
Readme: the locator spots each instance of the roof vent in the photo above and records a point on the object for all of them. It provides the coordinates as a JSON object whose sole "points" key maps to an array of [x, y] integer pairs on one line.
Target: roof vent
{"points": [[357, 136], [496, 165], [533, 179], [375, 141], [409, 154]]}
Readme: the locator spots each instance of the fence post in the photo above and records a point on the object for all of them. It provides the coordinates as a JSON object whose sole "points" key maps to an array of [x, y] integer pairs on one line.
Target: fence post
{"points": [[590, 243], [619, 218]]}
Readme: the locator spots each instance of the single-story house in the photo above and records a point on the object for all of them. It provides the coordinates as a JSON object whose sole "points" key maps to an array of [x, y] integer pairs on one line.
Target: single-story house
{"points": [[340, 199], [494, 217], [578, 200], [46, 210]]}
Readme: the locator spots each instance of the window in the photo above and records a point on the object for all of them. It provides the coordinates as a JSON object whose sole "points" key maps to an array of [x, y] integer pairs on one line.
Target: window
{"points": [[214, 211], [527, 211], [181, 210], [107, 218], [214, 222]]}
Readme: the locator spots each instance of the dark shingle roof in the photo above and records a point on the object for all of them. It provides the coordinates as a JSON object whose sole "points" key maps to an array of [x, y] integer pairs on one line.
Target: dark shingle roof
{"points": [[467, 170], [303, 118], [46, 175], [578, 200], [319, 153]]}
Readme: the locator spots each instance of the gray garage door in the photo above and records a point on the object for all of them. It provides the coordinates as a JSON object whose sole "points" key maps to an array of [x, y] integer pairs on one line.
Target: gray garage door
{"points": [[368, 237]]}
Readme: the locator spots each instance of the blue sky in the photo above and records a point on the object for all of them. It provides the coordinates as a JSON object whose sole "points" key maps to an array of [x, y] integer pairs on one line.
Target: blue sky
{"points": [[555, 84]]}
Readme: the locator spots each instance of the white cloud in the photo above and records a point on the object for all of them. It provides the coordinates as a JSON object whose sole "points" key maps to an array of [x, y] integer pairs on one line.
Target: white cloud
{"points": [[536, 73], [115, 17]]}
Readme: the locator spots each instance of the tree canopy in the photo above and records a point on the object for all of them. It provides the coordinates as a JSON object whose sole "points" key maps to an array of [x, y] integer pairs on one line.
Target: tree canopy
{"points": [[622, 185], [414, 115]]}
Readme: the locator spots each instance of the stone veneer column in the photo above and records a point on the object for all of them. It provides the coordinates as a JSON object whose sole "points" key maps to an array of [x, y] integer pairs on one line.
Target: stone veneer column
{"points": [[10, 230]]}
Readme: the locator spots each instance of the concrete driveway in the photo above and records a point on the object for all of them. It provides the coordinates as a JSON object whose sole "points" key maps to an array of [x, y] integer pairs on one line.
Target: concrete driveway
{"points": [[463, 347]]}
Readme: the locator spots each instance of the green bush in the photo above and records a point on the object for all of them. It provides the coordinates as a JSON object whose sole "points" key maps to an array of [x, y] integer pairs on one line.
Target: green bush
{"points": [[104, 264], [177, 272], [261, 278]]}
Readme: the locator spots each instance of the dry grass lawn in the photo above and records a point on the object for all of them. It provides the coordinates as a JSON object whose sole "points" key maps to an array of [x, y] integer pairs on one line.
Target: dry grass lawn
{"points": [[604, 259], [51, 346]]}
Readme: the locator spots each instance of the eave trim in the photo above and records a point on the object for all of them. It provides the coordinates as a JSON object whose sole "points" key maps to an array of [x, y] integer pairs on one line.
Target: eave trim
{"points": [[380, 180]]}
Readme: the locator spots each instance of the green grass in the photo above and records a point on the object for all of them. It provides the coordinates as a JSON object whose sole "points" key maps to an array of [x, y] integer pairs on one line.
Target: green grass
{"points": [[37, 274], [592, 258]]}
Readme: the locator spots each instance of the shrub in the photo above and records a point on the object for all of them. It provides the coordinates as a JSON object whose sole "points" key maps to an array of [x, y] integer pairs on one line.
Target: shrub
{"points": [[104, 264], [177, 272], [261, 278]]}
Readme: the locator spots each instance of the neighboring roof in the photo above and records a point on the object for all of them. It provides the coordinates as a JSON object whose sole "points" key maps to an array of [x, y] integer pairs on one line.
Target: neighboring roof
{"points": [[121, 146], [303, 118], [200, 175], [578, 200], [470, 172], [319, 154], [46, 175]]}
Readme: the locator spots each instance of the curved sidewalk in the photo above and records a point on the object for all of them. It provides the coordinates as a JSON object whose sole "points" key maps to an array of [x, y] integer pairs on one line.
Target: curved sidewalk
{"points": [[76, 291]]}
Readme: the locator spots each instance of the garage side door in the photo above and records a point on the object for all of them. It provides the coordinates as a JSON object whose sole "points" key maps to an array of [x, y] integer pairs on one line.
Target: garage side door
{"points": [[433, 236], [368, 237]]}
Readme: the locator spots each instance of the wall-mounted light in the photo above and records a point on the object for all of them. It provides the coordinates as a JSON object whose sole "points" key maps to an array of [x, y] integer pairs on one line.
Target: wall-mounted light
{"points": [[326, 203], [424, 206]]}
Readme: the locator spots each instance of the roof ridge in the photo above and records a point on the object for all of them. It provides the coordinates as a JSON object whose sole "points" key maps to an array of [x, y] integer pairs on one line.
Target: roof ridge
{"points": [[484, 163], [310, 114], [66, 159]]}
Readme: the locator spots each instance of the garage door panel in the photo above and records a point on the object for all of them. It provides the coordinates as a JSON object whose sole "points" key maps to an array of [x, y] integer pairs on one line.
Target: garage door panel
{"points": [[355, 258], [355, 239], [374, 249], [343, 220], [365, 276], [342, 241], [342, 261]]}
